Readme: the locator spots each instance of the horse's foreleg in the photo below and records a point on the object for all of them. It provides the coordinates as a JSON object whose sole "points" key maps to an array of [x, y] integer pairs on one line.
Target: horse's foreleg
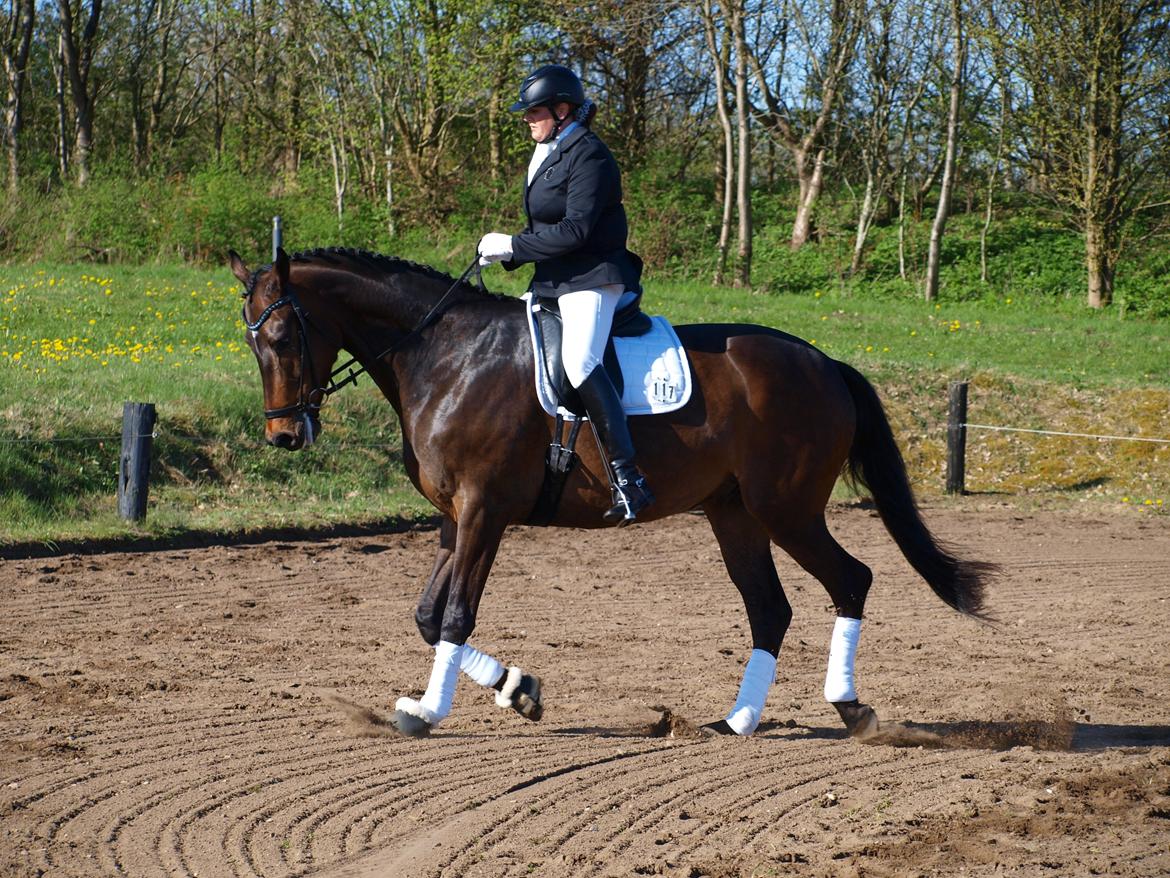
{"points": [[514, 689], [747, 554], [477, 539], [428, 615], [847, 581]]}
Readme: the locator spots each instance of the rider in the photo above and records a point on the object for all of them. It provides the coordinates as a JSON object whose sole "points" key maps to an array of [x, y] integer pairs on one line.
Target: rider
{"points": [[576, 236]]}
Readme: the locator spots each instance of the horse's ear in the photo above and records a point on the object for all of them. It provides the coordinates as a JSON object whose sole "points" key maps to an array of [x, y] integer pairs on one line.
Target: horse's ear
{"points": [[281, 266], [238, 268]]}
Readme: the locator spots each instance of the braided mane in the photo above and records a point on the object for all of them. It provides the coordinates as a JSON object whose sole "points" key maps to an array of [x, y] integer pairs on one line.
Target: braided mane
{"points": [[376, 263]]}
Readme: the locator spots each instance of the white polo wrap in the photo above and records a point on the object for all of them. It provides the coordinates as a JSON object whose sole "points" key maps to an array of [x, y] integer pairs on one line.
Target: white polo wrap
{"points": [[436, 701], [480, 666], [758, 677], [839, 684]]}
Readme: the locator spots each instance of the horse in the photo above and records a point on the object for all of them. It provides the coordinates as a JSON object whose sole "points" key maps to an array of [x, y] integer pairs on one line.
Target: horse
{"points": [[771, 424]]}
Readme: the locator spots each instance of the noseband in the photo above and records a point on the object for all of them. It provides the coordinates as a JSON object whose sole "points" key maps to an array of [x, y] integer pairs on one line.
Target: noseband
{"points": [[310, 404]]}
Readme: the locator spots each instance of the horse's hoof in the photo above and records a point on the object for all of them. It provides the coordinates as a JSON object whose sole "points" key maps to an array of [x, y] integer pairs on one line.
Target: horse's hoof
{"points": [[859, 719], [717, 729], [409, 725], [521, 692]]}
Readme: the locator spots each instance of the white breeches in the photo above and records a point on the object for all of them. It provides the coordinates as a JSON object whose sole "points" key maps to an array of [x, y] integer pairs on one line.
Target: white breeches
{"points": [[586, 319]]}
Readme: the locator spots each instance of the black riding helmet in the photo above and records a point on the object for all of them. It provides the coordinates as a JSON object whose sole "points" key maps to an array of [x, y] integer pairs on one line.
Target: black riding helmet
{"points": [[550, 85]]}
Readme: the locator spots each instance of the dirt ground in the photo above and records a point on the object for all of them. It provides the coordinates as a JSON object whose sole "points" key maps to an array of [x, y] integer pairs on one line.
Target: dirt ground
{"points": [[212, 712]]}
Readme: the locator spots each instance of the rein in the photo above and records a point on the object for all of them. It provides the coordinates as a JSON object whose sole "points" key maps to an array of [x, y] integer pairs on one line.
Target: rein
{"points": [[310, 404]]}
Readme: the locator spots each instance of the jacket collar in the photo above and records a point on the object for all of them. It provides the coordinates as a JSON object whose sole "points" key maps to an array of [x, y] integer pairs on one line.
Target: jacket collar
{"points": [[562, 145]]}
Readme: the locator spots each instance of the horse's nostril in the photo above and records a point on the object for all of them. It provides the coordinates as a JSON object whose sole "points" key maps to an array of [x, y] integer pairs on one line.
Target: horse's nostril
{"points": [[283, 439]]}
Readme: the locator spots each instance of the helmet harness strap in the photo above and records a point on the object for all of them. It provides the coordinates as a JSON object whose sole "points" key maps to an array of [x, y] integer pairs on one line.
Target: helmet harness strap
{"points": [[559, 120]]}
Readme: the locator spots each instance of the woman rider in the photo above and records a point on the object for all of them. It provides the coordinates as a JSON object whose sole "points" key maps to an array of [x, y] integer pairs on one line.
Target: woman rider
{"points": [[576, 236]]}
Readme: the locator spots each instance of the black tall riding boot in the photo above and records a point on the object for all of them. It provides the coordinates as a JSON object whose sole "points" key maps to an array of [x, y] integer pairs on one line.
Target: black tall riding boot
{"points": [[631, 494]]}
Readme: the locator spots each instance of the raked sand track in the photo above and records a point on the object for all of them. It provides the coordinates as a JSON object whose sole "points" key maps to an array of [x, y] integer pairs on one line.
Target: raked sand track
{"points": [[213, 712]]}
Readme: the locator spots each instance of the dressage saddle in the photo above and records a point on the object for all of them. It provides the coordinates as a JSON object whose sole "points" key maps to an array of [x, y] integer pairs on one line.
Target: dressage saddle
{"points": [[628, 322]]}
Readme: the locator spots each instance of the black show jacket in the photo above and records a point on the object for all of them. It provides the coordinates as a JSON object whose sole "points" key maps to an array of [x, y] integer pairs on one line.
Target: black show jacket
{"points": [[577, 227]]}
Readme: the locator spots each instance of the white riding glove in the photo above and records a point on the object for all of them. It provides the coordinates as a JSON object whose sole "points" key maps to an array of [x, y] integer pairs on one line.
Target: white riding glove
{"points": [[494, 247]]}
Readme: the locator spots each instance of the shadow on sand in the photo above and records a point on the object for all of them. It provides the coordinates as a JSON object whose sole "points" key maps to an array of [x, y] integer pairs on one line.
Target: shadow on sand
{"points": [[1054, 735], [1059, 735]]}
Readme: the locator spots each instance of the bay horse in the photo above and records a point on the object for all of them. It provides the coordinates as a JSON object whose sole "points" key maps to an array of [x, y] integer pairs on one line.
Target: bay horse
{"points": [[771, 424]]}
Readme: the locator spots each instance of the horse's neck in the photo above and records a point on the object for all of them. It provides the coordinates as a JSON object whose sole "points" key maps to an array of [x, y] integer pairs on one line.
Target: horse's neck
{"points": [[467, 328], [390, 303]]}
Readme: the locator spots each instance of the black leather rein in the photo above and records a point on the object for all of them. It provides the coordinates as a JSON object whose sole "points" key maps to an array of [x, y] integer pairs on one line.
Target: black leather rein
{"points": [[311, 403]]}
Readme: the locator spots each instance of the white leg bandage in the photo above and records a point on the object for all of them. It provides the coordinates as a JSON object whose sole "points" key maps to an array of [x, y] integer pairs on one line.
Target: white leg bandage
{"points": [[842, 651], [436, 701], [480, 666], [757, 679]]}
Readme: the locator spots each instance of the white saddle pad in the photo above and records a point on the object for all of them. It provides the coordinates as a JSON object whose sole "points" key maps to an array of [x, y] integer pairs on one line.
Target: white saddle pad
{"points": [[655, 369]]}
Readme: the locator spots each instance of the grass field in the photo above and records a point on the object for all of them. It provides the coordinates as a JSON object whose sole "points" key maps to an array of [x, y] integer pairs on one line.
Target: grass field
{"points": [[78, 341]]}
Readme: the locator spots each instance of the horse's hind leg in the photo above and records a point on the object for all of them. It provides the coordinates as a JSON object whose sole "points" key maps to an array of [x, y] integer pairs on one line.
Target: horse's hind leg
{"points": [[747, 554], [847, 581]]}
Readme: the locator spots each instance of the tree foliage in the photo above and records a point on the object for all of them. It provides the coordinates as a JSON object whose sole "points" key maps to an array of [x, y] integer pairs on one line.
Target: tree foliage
{"points": [[391, 114]]}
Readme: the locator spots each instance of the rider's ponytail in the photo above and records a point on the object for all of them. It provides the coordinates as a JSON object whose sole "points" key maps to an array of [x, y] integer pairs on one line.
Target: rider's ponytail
{"points": [[586, 112]]}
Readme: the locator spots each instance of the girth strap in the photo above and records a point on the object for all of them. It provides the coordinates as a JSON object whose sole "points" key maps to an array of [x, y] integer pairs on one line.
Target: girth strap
{"points": [[559, 461]]}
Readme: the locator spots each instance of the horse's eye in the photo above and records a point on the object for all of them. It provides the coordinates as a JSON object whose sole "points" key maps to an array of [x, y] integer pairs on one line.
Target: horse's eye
{"points": [[282, 342]]}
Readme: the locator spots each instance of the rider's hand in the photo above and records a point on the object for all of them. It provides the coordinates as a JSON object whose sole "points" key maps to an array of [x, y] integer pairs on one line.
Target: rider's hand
{"points": [[494, 247]]}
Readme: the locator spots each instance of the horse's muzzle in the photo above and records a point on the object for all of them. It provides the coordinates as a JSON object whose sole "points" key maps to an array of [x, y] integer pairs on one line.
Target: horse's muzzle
{"points": [[297, 434]]}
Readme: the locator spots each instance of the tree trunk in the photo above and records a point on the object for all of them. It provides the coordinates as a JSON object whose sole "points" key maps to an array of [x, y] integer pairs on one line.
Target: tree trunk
{"points": [[63, 141], [16, 48], [948, 178], [902, 224], [495, 142], [386, 134], [1099, 263], [992, 177], [864, 220], [720, 57], [160, 95], [743, 277], [811, 182], [78, 55]]}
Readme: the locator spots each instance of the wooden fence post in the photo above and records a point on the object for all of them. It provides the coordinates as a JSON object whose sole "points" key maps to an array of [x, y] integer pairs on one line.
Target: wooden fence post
{"points": [[956, 437], [134, 464]]}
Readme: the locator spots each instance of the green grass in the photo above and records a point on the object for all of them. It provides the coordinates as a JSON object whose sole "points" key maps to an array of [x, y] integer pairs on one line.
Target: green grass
{"points": [[76, 342]]}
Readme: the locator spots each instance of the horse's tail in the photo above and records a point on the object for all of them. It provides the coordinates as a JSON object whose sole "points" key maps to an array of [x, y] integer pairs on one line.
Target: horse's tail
{"points": [[876, 463]]}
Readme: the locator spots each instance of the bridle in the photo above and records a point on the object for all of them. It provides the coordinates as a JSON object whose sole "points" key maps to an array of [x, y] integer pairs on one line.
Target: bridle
{"points": [[309, 405]]}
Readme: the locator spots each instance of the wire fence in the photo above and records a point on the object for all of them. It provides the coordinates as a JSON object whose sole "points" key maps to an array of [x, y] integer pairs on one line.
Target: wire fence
{"points": [[1101, 436], [956, 429], [187, 437], [958, 425]]}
